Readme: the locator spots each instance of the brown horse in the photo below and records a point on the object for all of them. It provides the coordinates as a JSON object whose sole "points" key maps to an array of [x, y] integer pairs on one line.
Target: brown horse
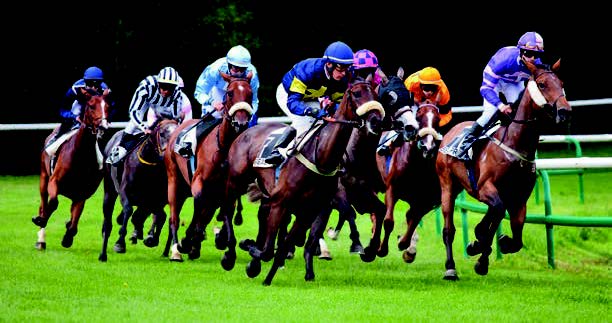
{"points": [[410, 175], [140, 181], [74, 170], [207, 181], [503, 172], [306, 183]]}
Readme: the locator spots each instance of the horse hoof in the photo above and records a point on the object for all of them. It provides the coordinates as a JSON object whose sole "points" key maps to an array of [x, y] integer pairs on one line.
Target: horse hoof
{"points": [[383, 252], [228, 262], [41, 246], [368, 255], [151, 242], [408, 256], [179, 259], [39, 221], [102, 257], [194, 254], [356, 248], [133, 240], [238, 220], [309, 277], [220, 243], [119, 248], [67, 241], [451, 274], [481, 268], [253, 268], [473, 248], [290, 255], [246, 244]]}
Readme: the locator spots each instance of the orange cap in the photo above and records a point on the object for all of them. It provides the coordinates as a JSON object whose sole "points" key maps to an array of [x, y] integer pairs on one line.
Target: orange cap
{"points": [[429, 75]]}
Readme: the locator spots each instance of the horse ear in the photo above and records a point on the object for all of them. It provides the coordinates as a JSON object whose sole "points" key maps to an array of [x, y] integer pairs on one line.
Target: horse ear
{"points": [[225, 76], [400, 72], [382, 75], [556, 66], [532, 67]]}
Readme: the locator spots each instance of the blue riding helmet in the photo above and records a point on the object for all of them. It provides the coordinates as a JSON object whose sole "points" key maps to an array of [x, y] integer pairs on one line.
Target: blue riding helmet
{"points": [[531, 41], [93, 73], [239, 56], [339, 53], [168, 75]]}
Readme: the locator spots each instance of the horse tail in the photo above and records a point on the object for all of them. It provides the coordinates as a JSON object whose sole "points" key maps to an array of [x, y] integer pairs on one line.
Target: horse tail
{"points": [[254, 193]]}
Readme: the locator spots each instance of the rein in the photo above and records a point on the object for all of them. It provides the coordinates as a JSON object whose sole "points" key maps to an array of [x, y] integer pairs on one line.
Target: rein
{"points": [[157, 148]]}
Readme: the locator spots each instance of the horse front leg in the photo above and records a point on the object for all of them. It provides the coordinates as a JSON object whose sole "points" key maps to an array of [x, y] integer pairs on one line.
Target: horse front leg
{"points": [[277, 214], [76, 209], [517, 221], [48, 201], [126, 213], [281, 254], [108, 206], [494, 215], [159, 219], [448, 233], [175, 203], [138, 219], [409, 239]]}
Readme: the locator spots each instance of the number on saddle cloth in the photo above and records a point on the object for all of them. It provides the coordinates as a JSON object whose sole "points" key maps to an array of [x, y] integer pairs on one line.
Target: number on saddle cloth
{"points": [[268, 147]]}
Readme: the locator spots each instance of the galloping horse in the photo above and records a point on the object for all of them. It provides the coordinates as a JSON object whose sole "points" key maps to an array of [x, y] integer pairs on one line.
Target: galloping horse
{"points": [[139, 181], [74, 170], [503, 173], [410, 175], [207, 181], [306, 183]]}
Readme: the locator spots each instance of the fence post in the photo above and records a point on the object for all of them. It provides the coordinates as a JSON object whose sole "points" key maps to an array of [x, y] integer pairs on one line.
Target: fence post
{"points": [[550, 244]]}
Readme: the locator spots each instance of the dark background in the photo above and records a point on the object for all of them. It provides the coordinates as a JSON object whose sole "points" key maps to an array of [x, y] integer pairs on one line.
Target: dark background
{"points": [[50, 45]]}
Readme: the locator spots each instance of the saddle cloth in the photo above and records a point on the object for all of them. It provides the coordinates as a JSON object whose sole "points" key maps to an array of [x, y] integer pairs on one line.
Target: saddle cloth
{"points": [[452, 148], [273, 139]]}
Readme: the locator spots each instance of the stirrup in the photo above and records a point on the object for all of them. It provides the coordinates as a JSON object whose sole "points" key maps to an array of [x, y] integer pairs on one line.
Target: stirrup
{"points": [[185, 150], [276, 158], [384, 150], [116, 155]]}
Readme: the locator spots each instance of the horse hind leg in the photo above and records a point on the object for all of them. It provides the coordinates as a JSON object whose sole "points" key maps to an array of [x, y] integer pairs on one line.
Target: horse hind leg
{"points": [[48, 202], [119, 246], [408, 241], [159, 218], [138, 219]]}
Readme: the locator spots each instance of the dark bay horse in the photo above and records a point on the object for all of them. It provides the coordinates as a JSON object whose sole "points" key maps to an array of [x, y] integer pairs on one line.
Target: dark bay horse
{"points": [[306, 183], [75, 170], [410, 175], [140, 181], [504, 172], [206, 183]]}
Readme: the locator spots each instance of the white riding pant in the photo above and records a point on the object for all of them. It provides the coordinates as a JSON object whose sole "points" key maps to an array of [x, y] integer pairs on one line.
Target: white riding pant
{"points": [[300, 123], [511, 91]]}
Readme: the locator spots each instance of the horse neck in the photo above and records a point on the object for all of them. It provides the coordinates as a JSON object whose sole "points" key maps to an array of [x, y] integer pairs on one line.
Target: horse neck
{"points": [[225, 134], [149, 149], [358, 150], [331, 143], [524, 137], [85, 138]]}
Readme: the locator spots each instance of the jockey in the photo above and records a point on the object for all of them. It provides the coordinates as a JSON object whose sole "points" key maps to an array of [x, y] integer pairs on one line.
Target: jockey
{"points": [[160, 93], [365, 63], [79, 93], [211, 87], [505, 73], [424, 86], [308, 89], [186, 110]]}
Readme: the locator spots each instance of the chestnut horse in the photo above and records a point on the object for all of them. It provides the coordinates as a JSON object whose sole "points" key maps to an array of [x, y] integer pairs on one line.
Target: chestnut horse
{"points": [[410, 175], [74, 170], [306, 183], [504, 172], [208, 179], [140, 180]]}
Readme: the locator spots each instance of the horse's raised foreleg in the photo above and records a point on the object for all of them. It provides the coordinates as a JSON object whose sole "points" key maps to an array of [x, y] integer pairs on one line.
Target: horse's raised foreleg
{"points": [[517, 221], [48, 201], [408, 241], [76, 209], [495, 213]]}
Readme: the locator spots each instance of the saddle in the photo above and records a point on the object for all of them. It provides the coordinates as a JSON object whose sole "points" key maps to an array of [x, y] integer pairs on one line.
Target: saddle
{"points": [[202, 128], [452, 149]]}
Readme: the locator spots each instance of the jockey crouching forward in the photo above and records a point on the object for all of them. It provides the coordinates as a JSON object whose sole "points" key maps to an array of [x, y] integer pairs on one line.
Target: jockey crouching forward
{"points": [[158, 92], [311, 87], [424, 86], [505, 73]]}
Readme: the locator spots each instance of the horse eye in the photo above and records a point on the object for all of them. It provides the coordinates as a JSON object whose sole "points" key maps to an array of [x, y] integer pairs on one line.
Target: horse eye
{"points": [[357, 94]]}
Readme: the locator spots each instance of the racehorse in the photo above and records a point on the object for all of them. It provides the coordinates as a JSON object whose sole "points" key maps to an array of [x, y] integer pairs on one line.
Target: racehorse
{"points": [[74, 170], [410, 175], [207, 181], [502, 174], [140, 181], [306, 183]]}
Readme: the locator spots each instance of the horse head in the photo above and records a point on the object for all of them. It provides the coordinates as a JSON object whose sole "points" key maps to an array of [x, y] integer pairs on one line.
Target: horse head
{"points": [[95, 114], [362, 96], [237, 101], [161, 134], [393, 94], [545, 89], [428, 138]]}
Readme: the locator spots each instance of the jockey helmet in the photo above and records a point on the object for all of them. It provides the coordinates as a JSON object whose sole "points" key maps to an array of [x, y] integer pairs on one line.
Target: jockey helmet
{"points": [[339, 53], [168, 75], [429, 75], [239, 56], [531, 41], [364, 59], [93, 73]]}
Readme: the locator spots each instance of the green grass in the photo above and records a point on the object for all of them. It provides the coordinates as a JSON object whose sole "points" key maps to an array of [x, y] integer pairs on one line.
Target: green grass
{"points": [[70, 285]]}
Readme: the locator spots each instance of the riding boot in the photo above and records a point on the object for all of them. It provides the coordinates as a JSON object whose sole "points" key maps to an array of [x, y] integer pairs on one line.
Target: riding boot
{"points": [[120, 151], [276, 157], [471, 134], [66, 125]]}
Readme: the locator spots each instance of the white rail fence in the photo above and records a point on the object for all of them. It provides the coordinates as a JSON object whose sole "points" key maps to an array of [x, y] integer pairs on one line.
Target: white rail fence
{"points": [[122, 124]]}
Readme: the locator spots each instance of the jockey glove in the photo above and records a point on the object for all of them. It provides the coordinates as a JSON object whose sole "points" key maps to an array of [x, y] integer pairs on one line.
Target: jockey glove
{"points": [[312, 112]]}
